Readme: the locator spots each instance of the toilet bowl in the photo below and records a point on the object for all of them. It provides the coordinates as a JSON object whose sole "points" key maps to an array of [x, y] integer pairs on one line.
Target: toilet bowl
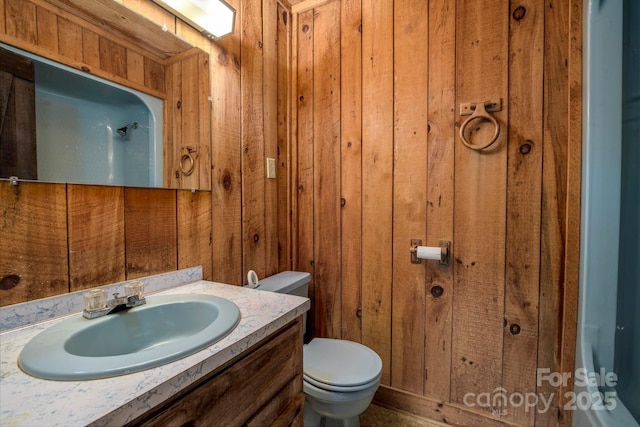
{"points": [[340, 380], [340, 377]]}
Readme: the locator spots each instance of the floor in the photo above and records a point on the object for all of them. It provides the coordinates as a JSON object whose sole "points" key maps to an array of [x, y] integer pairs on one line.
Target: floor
{"points": [[378, 416]]}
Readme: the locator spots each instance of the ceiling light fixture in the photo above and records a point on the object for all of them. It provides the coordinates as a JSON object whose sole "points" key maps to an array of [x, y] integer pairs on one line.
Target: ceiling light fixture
{"points": [[213, 18]]}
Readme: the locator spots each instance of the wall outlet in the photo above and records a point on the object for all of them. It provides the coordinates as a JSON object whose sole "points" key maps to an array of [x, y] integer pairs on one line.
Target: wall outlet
{"points": [[271, 167]]}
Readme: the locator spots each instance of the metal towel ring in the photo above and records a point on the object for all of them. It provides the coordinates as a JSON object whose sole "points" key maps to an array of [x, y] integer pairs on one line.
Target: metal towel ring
{"points": [[480, 113], [188, 170]]}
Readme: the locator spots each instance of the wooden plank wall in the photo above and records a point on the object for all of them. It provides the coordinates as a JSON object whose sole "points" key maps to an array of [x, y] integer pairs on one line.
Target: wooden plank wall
{"points": [[39, 27], [83, 235], [68, 237], [397, 168]]}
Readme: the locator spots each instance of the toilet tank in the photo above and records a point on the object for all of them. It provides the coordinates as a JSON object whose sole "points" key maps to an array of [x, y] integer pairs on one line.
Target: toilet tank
{"points": [[287, 282], [291, 283]]}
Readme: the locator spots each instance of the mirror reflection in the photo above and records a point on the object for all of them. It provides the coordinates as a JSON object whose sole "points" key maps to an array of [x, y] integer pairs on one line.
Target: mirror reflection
{"points": [[90, 130]]}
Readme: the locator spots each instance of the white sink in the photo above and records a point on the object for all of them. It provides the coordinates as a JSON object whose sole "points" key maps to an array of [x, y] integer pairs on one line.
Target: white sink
{"points": [[165, 329]]}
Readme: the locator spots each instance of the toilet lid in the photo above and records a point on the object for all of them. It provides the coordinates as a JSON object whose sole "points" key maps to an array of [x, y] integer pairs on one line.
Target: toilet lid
{"points": [[340, 363]]}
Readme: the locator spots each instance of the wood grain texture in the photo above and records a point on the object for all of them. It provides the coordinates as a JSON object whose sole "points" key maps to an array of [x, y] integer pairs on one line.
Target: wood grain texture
{"points": [[96, 235], [112, 17], [304, 142], [441, 141], [40, 27], [135, 67], [189, 111], [91, 48], [480, 203], [194, 230], [47, 29], [554, 199], [20, 19], [572, 222], [351, 169], [411, 27], [262, 373], [3, 26], [151, 245], [172, 126], [153, 12], [283, 154], [203, 123], [524, 191], [270, 130], [226, 159], [377, 178], [253, 139], [437, 410], [290, 394], [326, 171], [472, 47], [113, 57], [34, 229], [70, 40]]}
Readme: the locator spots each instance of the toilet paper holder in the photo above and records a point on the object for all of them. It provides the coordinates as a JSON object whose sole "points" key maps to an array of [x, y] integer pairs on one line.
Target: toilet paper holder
{"points": [[445, 251]]}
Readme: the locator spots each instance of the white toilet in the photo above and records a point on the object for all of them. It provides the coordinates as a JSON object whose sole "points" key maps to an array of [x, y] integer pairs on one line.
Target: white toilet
{"points": [[340, 377]]}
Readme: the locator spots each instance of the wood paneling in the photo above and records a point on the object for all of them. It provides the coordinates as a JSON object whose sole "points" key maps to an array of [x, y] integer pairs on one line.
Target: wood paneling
{"points": [[524, 193], [351, 169], [480, 203], [253, 138], [150, 232], [187, 159], [270, 119], [112, 17], [33, 231], [71, 237], [283, 160], [194, 230], [486, 322], [441, 139], [377, 179], [226, 153], [216, 236], [302, 173], [326, 180], [411, 26], [96, 235], [351, 205], [554, 200], [62, 34]]}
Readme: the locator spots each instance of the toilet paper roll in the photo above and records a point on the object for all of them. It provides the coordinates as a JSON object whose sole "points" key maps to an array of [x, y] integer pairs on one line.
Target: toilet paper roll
{"points": [[429, 252]]}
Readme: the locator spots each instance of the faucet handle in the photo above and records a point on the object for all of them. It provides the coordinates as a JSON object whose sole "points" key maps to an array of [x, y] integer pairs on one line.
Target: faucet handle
{"points": [[134, 287], [95, 300]]}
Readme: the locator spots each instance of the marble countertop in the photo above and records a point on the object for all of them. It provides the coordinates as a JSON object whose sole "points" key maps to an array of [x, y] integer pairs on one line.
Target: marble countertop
{"points": [[29, 401]]}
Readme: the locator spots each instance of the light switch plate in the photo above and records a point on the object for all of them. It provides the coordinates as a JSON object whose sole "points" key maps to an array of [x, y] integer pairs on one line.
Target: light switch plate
{"points": [[271, 167]]}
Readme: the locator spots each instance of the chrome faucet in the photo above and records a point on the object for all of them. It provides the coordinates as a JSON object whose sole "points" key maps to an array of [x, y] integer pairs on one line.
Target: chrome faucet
{"points": [[96, 304]]}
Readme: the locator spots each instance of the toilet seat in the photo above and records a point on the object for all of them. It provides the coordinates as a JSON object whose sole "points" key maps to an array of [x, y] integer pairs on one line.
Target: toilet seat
{"points": [[341, 365]]}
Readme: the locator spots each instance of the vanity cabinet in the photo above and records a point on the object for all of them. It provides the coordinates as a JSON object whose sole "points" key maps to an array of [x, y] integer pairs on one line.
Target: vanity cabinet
{"points": [[260, 387]]}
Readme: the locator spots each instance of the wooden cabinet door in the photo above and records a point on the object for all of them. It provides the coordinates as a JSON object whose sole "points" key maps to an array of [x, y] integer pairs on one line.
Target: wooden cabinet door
{"points": [[265, 387], [17, 117]]}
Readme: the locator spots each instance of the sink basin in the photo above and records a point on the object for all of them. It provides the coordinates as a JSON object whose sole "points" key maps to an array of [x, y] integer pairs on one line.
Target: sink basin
{"points": [[165, 329]]}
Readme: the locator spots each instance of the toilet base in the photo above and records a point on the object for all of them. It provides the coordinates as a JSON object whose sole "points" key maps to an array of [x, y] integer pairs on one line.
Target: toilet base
{"points": [[313, 419]]}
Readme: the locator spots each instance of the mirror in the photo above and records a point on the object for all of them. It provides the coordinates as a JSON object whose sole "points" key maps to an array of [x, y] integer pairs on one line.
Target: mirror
{"points": [[111, 102], [90, 130]]}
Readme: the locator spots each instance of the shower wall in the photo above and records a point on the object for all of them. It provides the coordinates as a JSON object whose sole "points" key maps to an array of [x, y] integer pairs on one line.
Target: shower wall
{"points": [[608, 319], [77, 119]]}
